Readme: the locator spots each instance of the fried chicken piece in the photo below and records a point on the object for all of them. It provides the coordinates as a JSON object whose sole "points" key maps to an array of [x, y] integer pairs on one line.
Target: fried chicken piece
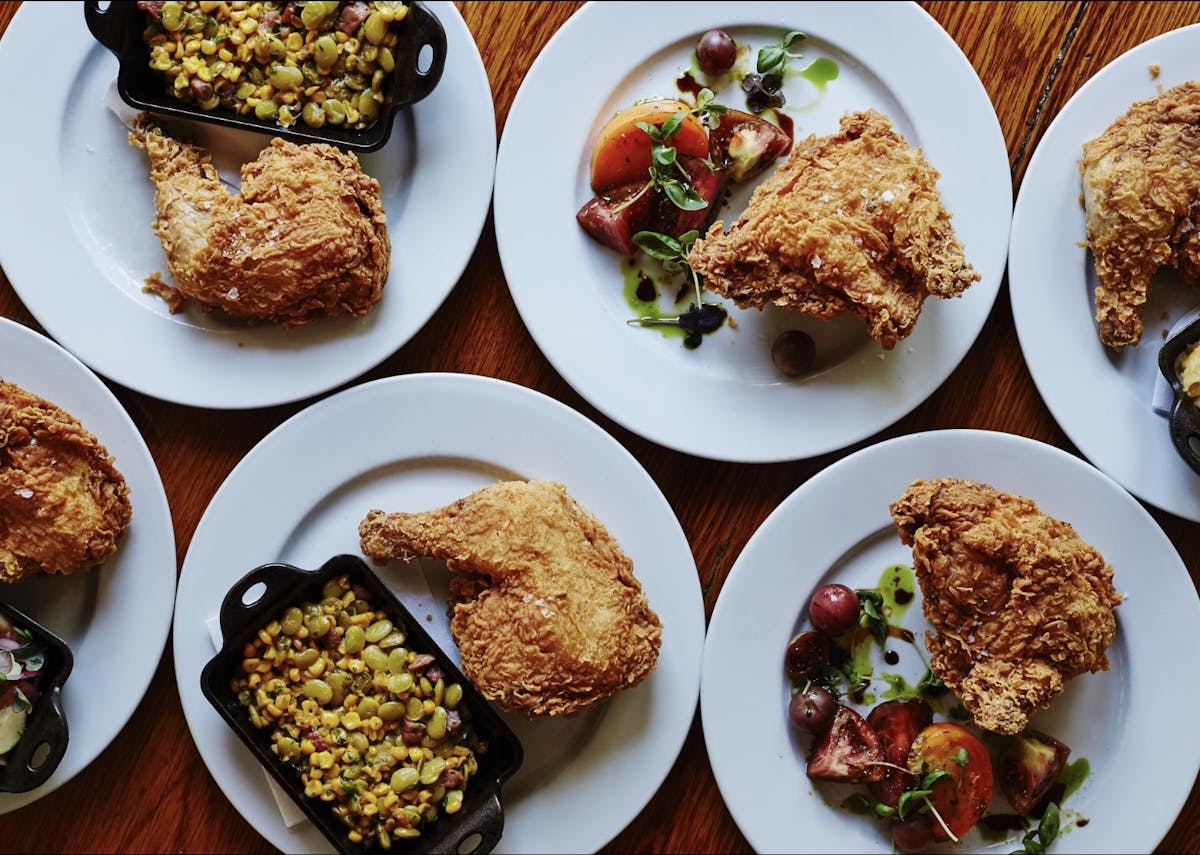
{"points": [[1141, 194], [848, 223], [63, 504], [545, 609], [1018, 603], [305, 238]]}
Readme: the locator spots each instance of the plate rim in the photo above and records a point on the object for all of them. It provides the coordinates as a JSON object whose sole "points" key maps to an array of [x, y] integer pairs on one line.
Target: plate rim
{"points": [[638, 413], [864, 465], [684, 668]]}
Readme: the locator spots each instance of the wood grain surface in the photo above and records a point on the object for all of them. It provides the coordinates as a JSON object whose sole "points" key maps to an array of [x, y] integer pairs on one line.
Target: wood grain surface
{"points": [[150, 790]]}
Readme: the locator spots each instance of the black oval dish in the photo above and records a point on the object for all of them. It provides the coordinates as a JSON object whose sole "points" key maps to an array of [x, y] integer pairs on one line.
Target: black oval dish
{"points": [[119, 28], [1184, 416], [46, 735], [481, 817]]}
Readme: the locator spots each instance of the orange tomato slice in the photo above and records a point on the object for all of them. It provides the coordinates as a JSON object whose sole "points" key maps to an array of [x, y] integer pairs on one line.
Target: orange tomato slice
{"points": [[962, 798], [622, 151]]}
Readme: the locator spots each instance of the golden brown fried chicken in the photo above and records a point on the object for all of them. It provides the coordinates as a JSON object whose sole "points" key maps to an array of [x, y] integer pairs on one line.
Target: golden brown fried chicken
{"points": [[545, 609], [63, 504], [1141, 194], [849, 223], [1018, 603], [305, 238]]}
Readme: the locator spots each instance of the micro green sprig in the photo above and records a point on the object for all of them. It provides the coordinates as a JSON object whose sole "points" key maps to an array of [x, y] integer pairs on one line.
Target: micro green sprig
{"points": [[774, 58], [700, 318], [665, 168]]}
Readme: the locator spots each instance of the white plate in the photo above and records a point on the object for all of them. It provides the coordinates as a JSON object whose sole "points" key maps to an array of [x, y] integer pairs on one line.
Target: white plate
{"points": [[836, 527], [1101, 400], [417, 442], [725, 400], [79, 246], [116, 617]]}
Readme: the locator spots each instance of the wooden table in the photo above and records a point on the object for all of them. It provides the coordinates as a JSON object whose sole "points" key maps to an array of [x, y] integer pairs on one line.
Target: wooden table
{"points": [[150, 791]]}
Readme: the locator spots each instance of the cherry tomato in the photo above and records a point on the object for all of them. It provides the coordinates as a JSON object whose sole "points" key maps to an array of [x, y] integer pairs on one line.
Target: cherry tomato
{"points": [[833, 609], [962, 798], [716, 51], [808, 655], [812, 709]]}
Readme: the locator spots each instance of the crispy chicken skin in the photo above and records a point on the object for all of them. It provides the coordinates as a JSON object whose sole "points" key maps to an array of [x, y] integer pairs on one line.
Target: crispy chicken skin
{"points": [[305, 238], [1018, 603], [849, 223], [1141, 195], [63, 504], [545, 609]]}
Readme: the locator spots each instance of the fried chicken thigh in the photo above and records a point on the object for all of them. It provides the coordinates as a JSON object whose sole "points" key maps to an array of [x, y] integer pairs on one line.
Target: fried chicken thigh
{"points": [[63, 504], [305, 238], [1018, 603], [1141, 194], [851, 222], [545, 609]]}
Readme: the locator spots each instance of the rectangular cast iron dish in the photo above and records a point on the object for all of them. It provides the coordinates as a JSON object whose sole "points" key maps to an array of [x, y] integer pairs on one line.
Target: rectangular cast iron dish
{"points": [[119, 28], [46, 723], [482, 813], [1184, 416]]}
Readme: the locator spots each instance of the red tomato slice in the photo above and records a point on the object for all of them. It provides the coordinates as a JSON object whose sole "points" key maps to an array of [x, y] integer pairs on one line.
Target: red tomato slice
{"points": [[962, 798]]}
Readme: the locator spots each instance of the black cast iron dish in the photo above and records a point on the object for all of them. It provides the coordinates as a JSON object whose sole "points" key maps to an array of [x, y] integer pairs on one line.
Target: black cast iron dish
{"points": [[119, 28], [481, 819], [1184, 416], [44, 743]]}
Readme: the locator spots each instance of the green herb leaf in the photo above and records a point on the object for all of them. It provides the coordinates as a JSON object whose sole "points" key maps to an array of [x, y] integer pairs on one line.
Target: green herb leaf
{"points": [[770, 57], [793, 36], [682, 197], [962, 758], [904, 805], [934, 777], [658, 245], [1048, 827]]}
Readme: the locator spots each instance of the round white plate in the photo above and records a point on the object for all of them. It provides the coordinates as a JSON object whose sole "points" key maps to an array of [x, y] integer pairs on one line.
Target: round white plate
{"points": [[725, 400], [418, 442], [837, 527], [79, 246], [115, 617], [1102, 400]]}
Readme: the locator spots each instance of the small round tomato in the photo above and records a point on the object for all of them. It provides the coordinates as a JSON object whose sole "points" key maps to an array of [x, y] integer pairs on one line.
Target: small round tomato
{"points": [[962, 798], [622, 151]]}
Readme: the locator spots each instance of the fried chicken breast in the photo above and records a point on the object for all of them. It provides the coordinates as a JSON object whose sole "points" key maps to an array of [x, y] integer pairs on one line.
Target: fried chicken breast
{"points": [[851, 222], [305, 238], [1018, 603], [63, 504], [545, 609], [1141, 194]]}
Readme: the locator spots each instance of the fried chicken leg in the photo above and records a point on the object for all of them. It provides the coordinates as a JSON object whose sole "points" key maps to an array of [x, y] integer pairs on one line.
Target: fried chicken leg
{"points": [[63, 504], [546, 611], [305, 238], [1018, 603], [1141, 194], [851, 222]]}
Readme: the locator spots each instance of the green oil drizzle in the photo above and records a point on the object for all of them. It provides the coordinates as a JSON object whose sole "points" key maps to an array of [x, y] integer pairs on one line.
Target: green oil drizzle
{"points": [[820, 72], [1073, 775], [634, 276], [898, 687], [898, 586]]}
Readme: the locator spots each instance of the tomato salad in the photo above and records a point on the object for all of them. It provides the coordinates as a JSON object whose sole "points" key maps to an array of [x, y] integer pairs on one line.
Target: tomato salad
{"points": [[661, 169], [928, 781]]}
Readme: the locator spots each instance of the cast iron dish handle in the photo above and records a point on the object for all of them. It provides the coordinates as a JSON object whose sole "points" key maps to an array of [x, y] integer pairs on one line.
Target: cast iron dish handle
{"points": [[428, 33], [47, 727], [105, 26], [486, 824], [1185, 417], [274, 576]]}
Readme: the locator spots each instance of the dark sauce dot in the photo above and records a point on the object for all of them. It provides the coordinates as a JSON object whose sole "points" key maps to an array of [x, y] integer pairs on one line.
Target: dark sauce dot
{"points": [[1080, 823], [903, 597], [1004, 822], [645, 289], [891, 657], [686, 83]]}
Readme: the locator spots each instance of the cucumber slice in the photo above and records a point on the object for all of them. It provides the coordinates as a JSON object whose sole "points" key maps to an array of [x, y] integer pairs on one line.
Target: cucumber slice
{"points": [[12, 728]]}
